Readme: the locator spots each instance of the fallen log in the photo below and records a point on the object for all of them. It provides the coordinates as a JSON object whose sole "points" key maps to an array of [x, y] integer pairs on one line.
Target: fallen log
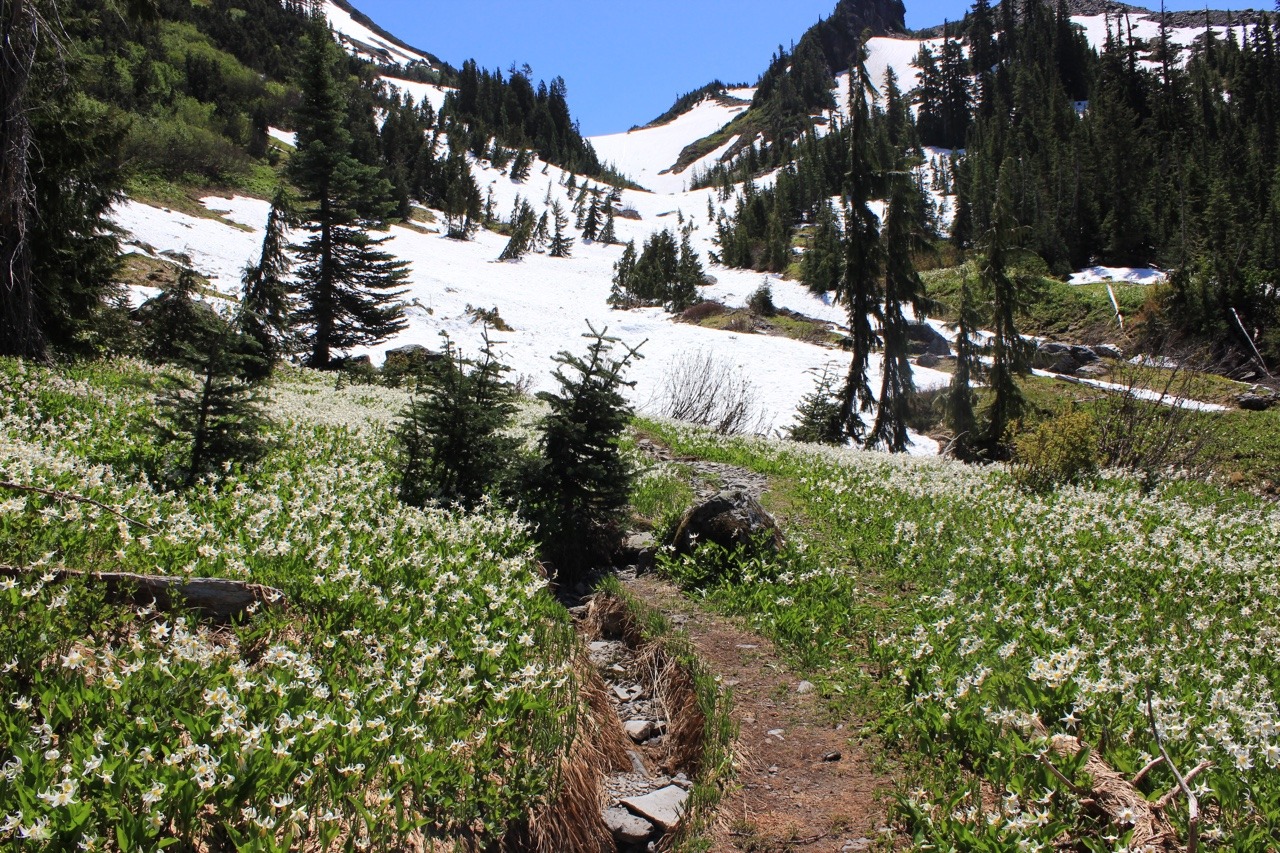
{"points": [[219, 599], [1112, 796]]}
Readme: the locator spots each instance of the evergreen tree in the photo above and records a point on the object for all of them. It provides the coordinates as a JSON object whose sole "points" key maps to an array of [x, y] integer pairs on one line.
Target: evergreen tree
{"points": [[960, 398], [608, 235], [863, 252], [903, 234], [452, 442], [523, 224], [821, 267], [622, 295], [683, 291], [591, 222], [581, 483], [818, 420], [346, 284], [1009, 356], [561, 244], [264, 303], [212, 412]]}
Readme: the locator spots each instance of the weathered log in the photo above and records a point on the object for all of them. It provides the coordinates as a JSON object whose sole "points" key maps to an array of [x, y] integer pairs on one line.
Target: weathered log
{"points": [[1113, 796], [219, 599]]}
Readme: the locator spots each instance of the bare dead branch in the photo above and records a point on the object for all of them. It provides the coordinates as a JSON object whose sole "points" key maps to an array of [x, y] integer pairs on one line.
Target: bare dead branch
{"points": [[81, 499], [1142, 774]]}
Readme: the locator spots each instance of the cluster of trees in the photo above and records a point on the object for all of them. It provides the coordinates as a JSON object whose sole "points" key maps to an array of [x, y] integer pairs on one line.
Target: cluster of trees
{"points": [[1171, 160], [665, 273], [455, 448]]}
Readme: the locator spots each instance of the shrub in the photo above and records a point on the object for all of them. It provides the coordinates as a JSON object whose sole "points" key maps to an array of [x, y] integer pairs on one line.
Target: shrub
{"points": [[451, 442], [761, 301], [699, 388], [1061, 450], [700, 311]]}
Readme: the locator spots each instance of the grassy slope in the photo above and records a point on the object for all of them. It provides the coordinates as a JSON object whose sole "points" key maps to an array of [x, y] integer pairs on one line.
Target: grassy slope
{"points": [[947, 604], [414, 679]]}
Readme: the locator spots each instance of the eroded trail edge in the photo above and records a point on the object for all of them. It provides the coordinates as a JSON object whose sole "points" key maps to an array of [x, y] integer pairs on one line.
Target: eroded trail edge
{"points": [[804, 780]]}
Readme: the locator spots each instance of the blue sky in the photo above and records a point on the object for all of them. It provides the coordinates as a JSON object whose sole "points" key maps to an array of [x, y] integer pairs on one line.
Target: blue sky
{"points": [[626, 61]]}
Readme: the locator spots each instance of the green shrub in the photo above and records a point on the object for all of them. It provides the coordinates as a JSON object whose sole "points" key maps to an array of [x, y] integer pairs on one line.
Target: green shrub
{"points": [[761, 301], [1061, 450]]}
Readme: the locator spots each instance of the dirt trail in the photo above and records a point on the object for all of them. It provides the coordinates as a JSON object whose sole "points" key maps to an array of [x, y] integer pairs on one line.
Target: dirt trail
{"points": [[791, 791], [804, 781]]}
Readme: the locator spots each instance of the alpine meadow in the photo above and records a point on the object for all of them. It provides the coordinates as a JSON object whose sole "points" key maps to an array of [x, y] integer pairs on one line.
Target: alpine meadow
{"points": [[879, 455]]}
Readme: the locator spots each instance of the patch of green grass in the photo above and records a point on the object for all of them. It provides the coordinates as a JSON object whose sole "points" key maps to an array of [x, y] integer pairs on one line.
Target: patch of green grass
{"points": [[1054, 309]]}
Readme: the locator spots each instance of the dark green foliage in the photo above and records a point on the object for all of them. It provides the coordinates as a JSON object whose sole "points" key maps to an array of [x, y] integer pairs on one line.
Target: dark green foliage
{"points": [[864, 253], [561, 245], [523, 223], [265, 306], [452, 442], [819, 419], [622, 294], [664, 274], [487, 104], [960, 398], [761, 301], [1009, 352], [580, 484], [346, 284], [213, 417], [823, 261], [904, 233], [607, 234]]}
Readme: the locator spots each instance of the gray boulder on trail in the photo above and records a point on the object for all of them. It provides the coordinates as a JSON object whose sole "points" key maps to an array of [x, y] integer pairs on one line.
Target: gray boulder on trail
{"points": [[730, 519]]}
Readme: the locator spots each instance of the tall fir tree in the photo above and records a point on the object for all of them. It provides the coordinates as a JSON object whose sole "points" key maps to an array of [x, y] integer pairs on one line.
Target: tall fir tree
{"points": [[346, 285], [265, 306], [863, 259], [904, 234], [1009, 356], [960, 399]]}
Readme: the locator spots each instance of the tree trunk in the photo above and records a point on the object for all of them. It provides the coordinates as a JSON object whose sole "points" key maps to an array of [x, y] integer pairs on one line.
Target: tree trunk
{"points": [[20, 333]]}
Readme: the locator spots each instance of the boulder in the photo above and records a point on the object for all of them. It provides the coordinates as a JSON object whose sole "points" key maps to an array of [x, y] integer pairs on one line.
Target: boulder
{"points": [[639, 550], [1108, 351], [1256, 402], [664, 807], [729, 519], [925, 339], [1062, 358], [626, 827], [928, 360], [638, 730]]}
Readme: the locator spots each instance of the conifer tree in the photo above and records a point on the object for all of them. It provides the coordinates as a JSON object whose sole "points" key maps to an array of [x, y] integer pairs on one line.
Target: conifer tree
{"points": [[541, 234], [523, 224], [581, 483], [822, 265], [346, 284], [863, 251], [683, 291], [452, 442], [903, 234], [265, 307], [1009, 356], [818, 419], [608, 234], [622, 294], [960, 398], [561, 244], [591, 222]]}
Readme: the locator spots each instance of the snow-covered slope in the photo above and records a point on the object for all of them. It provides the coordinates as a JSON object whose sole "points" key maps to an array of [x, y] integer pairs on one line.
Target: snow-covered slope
{"points": [[364, 42], [647, 155], [548, 302]]}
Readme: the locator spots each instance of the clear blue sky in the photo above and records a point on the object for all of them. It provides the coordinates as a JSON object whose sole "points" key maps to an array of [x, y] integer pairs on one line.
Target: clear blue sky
{"points": [[626, 61]]}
